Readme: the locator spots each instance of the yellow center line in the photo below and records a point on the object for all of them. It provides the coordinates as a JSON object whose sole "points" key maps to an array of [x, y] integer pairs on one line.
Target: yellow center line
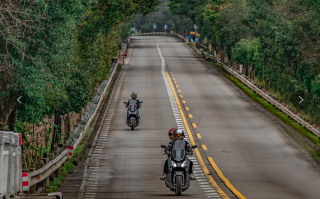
{"points": [[173, 78], [175, 82], [190, 115], [226, 181], [194, 125], [181, 95], [198, 135], [177, 86], [158, 43], [187, 108], [204, 147], [184, 101], [179, 91], [200, 160]]}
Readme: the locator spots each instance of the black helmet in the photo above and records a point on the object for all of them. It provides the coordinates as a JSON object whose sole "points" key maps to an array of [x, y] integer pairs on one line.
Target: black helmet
{"points": [[134, 95], [178, 134]]}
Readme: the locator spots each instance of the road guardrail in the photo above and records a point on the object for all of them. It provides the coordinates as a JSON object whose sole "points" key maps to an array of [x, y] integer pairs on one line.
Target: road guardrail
{"points": [[78, 133], [160, 34], [313, 129], [12, 180]]}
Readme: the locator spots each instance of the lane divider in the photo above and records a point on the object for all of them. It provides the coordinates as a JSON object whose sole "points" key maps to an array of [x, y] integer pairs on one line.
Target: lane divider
{"points": [[226, 181], [215, 191], [213, 164], [200, 160], [204, 147]]}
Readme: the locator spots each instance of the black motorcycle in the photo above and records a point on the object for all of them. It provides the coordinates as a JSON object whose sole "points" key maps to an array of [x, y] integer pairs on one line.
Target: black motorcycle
{"points": [[132, 115], [178, 179]]}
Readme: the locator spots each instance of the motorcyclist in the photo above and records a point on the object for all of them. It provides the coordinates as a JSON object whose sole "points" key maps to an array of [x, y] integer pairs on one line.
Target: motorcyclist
{"points": [[177, 134], [134, 100]]}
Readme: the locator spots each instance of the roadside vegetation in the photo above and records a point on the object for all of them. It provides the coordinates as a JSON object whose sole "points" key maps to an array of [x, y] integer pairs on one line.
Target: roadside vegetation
{"points": [[276, 42], [160, 17], [53, 55]]}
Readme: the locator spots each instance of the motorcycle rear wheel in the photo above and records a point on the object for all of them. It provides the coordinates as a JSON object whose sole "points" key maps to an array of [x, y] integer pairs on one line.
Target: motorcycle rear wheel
{"points": [[132, 126], [178, 185]]}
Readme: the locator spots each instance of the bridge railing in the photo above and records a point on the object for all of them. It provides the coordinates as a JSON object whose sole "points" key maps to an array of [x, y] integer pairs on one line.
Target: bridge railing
{"points": [[159, 34]]}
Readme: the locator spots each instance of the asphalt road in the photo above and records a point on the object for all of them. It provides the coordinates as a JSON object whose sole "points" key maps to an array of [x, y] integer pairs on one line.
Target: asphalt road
{"points": [[253, 152], [129, 164], [250, 148]]}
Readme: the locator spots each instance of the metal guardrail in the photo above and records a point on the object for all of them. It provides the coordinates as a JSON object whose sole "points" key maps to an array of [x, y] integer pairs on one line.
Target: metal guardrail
{"points": [[160, 34], [78, 133], [10, 163], [313, 129]]}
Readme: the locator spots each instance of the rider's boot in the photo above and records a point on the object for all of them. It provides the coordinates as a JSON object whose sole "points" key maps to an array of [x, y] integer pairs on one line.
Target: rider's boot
{"points": [[192, 176], [164, 176]]}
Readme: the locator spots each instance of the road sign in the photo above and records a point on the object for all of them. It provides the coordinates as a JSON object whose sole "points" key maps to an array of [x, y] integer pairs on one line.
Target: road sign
{"points": [[165, 27], [195, 26], [154, 26], [134, 29]]}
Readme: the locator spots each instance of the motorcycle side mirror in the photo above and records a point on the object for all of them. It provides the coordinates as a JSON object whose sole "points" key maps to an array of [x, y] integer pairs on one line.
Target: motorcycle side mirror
{"points": [[125, 102], [141, 102], [163, 146], [194, 146]]}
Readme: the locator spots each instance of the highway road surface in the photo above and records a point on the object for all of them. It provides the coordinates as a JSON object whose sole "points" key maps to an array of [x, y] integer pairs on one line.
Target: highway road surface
{"points": [[235, 136]]}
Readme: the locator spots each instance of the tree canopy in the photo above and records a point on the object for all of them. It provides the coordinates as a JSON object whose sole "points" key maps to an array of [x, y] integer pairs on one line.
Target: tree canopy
{"points": [[280, 39], [54, 53]]}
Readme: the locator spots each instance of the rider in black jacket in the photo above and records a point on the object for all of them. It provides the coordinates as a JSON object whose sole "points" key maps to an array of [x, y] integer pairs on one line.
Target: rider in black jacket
{"points": [[134, 100], [175, 134]]}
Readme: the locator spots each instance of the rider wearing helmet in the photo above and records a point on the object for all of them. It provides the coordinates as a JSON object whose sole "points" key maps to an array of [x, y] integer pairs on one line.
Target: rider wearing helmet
{"points": [[171, 132], [177, 134], [134, 100]]}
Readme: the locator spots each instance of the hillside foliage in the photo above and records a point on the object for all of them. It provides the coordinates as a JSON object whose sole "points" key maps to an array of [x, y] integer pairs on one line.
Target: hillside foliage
{"points": [[279, 39]]}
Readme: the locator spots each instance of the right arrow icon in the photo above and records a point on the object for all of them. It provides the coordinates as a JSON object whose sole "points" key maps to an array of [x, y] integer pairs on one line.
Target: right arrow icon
{"points": [[301, 99]]}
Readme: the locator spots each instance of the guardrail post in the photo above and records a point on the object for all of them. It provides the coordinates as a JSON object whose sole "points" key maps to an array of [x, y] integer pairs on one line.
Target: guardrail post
{"points": [[32, 189], [46, 161], [41, 184]]}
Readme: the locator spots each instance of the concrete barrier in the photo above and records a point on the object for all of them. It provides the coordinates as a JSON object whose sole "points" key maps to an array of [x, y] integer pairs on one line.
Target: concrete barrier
{"points": [[10, 163]]}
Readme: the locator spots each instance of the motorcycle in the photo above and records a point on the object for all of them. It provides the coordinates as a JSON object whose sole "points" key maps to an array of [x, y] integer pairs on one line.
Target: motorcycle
{"points": [[178, 179], [132, 115]]}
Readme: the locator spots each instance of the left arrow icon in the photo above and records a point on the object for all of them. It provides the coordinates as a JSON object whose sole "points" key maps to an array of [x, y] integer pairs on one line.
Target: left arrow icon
{"points": [[18, 99]]}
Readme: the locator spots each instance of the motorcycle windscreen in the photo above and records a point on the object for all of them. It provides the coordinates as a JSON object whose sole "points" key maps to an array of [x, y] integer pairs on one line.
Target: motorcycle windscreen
{"points": [[132, 107], [178, 151]]}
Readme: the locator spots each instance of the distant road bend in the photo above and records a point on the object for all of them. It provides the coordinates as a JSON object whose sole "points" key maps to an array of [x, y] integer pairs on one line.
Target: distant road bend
{"points": [[247, 145]]}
